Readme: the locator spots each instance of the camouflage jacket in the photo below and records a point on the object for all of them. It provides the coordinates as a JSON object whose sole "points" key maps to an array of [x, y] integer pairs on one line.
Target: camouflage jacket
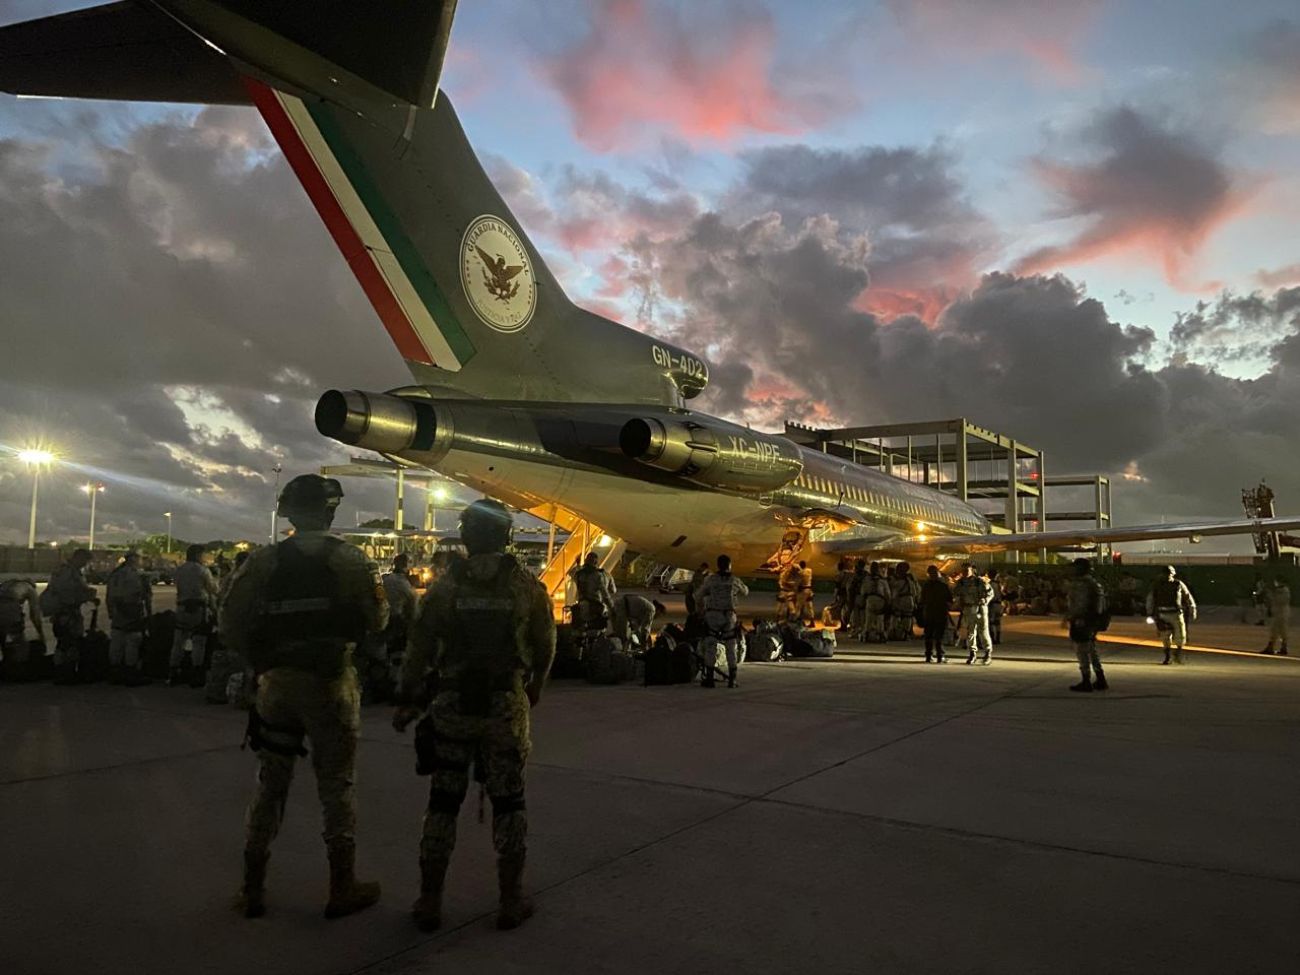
{"points": [[357, 579], [532, 626]]}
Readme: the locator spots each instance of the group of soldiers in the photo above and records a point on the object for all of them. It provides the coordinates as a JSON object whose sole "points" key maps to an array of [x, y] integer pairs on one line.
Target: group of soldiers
{"points": [[477, 656], [128, 602], [876, 602]]}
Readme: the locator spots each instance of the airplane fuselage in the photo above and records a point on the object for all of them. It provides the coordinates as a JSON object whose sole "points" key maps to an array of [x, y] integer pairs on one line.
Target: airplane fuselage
{"points": [[713, 487]]}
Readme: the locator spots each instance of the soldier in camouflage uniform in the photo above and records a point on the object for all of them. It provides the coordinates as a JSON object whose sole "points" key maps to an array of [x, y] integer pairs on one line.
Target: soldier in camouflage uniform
{"points": [[480, 649], [296, 611], [1086, 602], [973, 595]]}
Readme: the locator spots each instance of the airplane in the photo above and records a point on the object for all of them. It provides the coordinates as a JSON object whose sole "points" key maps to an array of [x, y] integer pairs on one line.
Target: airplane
{"points": [[518, 393]]}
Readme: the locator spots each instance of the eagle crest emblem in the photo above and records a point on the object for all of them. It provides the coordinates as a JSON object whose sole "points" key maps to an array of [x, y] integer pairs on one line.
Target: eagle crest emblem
{"points": [[497, 274]]}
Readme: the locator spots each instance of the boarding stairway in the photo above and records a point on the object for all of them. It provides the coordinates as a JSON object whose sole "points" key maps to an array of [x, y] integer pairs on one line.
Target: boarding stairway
{"points": [[583, 537]]}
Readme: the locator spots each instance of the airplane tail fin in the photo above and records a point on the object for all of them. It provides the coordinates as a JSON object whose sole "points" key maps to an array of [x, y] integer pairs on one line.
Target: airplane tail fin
{"points": [[349, 92]]}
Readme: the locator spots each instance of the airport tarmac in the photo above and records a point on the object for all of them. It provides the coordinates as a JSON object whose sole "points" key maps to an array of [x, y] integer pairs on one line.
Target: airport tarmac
{"points": [[866, 813]]}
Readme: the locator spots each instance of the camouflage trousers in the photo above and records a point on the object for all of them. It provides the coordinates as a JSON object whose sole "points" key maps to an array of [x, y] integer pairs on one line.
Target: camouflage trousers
{"points": [[294, 704], [499, 743]]}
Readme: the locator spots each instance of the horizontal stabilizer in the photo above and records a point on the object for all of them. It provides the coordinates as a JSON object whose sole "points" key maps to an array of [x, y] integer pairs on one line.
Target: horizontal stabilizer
{"points": [[122, 52], [363, 54]]}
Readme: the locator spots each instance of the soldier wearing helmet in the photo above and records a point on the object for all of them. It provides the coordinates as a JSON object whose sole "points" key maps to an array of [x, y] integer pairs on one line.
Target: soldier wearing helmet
{"points": [[480, 649], [295, 612]]}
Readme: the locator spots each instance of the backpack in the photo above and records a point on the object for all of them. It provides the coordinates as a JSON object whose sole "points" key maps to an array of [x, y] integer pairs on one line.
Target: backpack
{"points": [[1100, 619], [659, 661]]}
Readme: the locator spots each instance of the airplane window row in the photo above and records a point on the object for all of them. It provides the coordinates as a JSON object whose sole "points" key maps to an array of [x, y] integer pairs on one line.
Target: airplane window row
{"points": [[914, 509]]}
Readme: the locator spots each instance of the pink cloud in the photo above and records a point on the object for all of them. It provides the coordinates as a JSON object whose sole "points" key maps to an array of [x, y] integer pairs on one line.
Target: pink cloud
{"points": [[640, 71], [1045, 32], [1151, 191], [1279, 277]]}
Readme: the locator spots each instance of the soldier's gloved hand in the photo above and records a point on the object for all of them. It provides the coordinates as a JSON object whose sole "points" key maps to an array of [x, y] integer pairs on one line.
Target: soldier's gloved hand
{"points": [[404, 716]]}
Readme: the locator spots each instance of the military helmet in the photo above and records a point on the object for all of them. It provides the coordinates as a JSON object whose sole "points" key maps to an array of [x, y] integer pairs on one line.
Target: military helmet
{"points": [[485, 526], [309, 494]]}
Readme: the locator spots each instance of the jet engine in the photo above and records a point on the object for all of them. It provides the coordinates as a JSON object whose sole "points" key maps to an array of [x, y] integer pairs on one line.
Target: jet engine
{"points": [[380, 422], [736, 458]]}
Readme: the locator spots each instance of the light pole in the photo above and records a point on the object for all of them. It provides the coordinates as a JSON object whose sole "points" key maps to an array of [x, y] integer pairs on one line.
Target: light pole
{"points": [[34, 459], [94, 489], [275, 504], [168, 516]]}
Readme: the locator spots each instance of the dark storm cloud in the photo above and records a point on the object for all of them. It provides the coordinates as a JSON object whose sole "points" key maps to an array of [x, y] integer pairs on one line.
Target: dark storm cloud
{"points": [[178, 294], [1236, 327], [927, 238], [1145, 186]]}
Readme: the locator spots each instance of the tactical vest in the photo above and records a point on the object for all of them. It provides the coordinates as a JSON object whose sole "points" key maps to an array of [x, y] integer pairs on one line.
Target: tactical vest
{"points": [[305, 625], [720, 598], [1167, 594], [588, 581], [480, 655]]}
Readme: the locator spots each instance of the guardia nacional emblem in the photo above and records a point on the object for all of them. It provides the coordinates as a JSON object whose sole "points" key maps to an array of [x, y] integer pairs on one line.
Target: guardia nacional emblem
{"points": [[497, 275]]}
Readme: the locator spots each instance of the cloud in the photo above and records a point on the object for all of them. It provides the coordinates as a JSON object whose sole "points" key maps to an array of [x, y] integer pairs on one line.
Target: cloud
{"points": [[928, 241], [704, 75], [1044, 32], [1147, 188], [1278, 277], [176, 307], [1268, 70], [1236, 328]]}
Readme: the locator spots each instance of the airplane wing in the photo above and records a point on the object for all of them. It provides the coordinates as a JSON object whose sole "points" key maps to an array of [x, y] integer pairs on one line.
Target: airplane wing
{"points": [[933, 545]]}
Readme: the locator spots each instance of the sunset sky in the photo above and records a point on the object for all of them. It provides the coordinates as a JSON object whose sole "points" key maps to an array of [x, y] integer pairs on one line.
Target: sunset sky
{"points": [[1072, 221]]}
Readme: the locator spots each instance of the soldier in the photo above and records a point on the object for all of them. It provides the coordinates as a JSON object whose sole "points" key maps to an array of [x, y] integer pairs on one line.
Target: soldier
{"points": [[875, 596], [787, 592], [14, 595], [839, 608], [973, 594], [693, 588], [480, 650], [904, 592], [1277, 597], [804, 610], [1087, 602], [633, 618], [718, 598], [130, 604], [225, 663], [296, 612], [935, 598], [853, 610], [196, 597], [596, 592], [62, 600], [995, 607], [1171, 605]]}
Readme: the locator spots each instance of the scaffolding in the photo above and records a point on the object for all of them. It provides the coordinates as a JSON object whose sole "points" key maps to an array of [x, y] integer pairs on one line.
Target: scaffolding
{"points": [[1001, 477]]}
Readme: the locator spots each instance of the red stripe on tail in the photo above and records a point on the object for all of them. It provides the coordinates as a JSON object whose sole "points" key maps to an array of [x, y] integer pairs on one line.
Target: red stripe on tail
{"points": [[345, 236]]}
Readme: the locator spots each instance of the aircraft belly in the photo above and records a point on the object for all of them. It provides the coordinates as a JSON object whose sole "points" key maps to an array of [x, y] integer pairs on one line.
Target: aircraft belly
{"points": [[651, 518]]}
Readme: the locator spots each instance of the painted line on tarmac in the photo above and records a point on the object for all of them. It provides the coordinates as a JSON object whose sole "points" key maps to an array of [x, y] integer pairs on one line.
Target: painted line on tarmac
{"points": [[152, 760]]}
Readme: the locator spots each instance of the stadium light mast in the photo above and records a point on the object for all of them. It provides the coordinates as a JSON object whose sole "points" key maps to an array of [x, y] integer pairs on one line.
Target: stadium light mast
{"points": [[168, 516], [94, 489], [35, 459]]}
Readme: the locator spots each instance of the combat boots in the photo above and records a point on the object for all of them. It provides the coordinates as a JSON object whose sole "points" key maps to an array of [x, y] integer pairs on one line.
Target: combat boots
{"points": [[427, 910], [731, 677], [347, 894], [1083, 687], [251, 900], [174, 677], [515, 908], [1100, 683]]}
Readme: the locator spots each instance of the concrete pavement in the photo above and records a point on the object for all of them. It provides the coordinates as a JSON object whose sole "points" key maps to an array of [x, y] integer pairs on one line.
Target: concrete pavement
{"points": [[864, 813]]}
